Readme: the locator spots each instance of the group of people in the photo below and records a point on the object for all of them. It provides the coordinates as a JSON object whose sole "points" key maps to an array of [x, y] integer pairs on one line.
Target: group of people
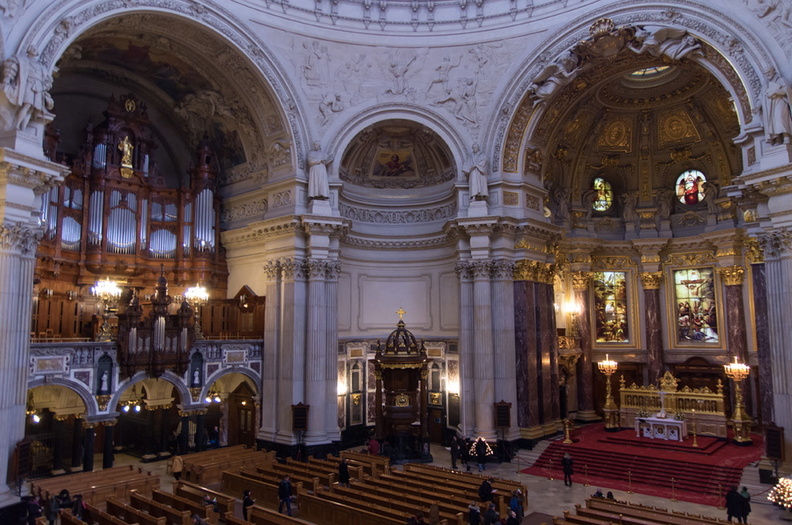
{"points": [[491, 516], [738, 504], [463, 448]]}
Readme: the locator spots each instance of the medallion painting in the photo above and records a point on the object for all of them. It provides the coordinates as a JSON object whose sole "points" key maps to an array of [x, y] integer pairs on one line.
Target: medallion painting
{"points": [[694, 294], [391, 164], [610, 305]]}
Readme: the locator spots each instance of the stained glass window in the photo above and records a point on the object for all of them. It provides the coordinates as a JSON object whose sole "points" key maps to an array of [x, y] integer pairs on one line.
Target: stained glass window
{"points": [[690, 187], [603, 196], [696, 317], [610, 306]]}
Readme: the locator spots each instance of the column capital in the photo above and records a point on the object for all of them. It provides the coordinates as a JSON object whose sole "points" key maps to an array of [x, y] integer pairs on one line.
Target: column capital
{"points": [[581, 281], [732, 275], [20, 238], [651, 280], [776, 243], [534, 271]]}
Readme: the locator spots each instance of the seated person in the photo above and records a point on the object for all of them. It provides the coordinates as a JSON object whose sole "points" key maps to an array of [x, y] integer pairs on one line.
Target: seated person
{"points": [[598, 494]]}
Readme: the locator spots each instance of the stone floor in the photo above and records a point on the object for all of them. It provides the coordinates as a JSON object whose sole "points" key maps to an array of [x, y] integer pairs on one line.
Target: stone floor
{"points": [[544, 496]]}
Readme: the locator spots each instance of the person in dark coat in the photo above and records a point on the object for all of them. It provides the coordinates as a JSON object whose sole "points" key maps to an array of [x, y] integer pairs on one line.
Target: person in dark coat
{"points": [[32, 509], [491, 516], [512, 520], [734, 505], [247, 501], [481, 454], [284, 495], [474, 514], [464, 443], [485, 490], [746, 504], [454, 452], [566, 466], [343, 473]]}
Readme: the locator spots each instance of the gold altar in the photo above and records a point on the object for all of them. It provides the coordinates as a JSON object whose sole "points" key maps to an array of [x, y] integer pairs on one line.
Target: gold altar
{"points": [[701, 408]]}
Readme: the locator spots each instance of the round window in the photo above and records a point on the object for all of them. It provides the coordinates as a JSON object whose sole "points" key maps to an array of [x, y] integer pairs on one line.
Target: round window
{"points": [[690, 187]]}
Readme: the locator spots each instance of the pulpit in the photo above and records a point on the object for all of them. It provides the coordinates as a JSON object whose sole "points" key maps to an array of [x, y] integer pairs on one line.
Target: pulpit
{"points": [[402, 396]]}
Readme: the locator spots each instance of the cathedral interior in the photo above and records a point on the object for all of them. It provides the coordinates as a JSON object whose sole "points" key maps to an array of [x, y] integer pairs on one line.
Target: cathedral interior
{"points": [[236, 223]]}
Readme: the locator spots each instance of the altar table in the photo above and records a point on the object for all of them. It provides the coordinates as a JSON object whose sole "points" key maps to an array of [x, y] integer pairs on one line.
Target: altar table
{"points": [[660, 428]]}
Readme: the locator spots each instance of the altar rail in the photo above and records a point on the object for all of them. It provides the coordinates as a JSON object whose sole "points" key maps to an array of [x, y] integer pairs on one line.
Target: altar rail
{"points": [[701, 406]]}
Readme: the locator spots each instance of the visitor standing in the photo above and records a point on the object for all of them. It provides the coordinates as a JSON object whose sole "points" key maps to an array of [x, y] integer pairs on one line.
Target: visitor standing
{"points": [[566, 465], [285, 495], [247, 502]]}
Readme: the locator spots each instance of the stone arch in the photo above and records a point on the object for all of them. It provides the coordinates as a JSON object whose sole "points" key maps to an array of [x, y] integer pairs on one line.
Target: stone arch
{"points": [[254, 379], [739, 68], [53, 32], [176, 380], [458, 143], [91, 405]]}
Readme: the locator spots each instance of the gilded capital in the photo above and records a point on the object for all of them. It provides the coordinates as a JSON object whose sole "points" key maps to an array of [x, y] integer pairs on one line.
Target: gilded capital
{"points": [[732, 275], [651, 280], [580, 281]]}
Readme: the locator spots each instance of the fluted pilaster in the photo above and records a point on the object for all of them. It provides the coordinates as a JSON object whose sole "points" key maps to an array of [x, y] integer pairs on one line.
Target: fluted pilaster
{"points": [[467, 348], [483, 359]]}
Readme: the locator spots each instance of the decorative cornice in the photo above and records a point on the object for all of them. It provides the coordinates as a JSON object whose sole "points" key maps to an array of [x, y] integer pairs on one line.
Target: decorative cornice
{"points": [[651, 280], [732, 275], [259, 231], [417, 242], [235, 212], [379, 216]]}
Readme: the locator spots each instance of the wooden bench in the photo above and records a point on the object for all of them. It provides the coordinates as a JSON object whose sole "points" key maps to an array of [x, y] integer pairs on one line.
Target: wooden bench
{"points": [[329, 467], [96, 515], [642, 511], [177, 502], [584, 520], [198, 494], [393, 500], [276, 472], [148, 505], [372, 470], [209, 470], [381, 513], [265, 492], [121, 510], [258, 515], [612, 516], [96, 487], [303, 472], [452, 496], [381, 464]]}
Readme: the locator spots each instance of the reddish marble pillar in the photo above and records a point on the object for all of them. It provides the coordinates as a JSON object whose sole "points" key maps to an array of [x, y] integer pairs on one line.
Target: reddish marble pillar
{"points": [[580, 284], [654, 333], [765, 374], [736, 334]]}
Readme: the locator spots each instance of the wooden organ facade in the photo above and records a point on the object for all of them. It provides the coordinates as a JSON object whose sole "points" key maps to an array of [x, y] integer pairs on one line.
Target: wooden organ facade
{"points": [[118, 217]]}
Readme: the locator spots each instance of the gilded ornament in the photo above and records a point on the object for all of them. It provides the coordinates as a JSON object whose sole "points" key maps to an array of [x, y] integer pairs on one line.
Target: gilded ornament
{"points": [[732, 275], [580, 281], [651, 280]]}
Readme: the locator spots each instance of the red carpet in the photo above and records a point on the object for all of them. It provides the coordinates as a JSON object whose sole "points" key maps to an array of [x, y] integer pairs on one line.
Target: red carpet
{"points": [[622, 461]]}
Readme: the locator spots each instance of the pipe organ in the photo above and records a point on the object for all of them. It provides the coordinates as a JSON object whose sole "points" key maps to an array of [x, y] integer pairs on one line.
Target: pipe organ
{"points": [[118, 216]]}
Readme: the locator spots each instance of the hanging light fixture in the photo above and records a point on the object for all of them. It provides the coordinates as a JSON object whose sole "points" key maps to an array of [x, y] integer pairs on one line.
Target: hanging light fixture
{"points": [[197, 296]]}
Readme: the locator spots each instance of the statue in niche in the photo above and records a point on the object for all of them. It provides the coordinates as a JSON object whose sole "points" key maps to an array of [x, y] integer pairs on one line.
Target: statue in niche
{"points": [[711, 191], [103, 382], [778, 114], [671, 42], [664, 201], [477, 174], [588, 199], [555, 76], [561, 196], [629, 202], [26, 84], [318, 185]]}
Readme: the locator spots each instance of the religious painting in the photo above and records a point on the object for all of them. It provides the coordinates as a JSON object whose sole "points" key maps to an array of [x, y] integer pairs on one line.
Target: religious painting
{"points": [[690, 187], [611, 319], [695, 306], [393, 163]]}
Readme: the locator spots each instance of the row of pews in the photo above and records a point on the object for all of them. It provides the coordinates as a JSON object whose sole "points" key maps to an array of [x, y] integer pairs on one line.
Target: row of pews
{"points": [[599, 511], [213, 481]]}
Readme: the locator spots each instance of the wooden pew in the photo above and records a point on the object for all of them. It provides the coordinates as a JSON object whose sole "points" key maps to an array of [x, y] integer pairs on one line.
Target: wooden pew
{"points": [[207, 471], [612, 516], [121, 510], [394, 500], [406, 486], [179, 503], [322, 465], [462, 486], [381, 463], [265, 492], [96, 515], [276, 472], [258, 515], [367, 469], [148, 505], [97, 486], [352, 510], [197, 493], [642, 511], [303, 472], [584, 520]]}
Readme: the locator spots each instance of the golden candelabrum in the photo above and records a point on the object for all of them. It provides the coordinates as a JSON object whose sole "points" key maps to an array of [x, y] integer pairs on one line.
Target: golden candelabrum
{"points": [[197, 296], [568, 431], [738, 372], [108, 292], [608, 367]]}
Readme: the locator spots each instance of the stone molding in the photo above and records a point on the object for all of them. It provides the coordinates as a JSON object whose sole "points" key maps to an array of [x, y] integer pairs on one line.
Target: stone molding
{"points": [[378, 216]]}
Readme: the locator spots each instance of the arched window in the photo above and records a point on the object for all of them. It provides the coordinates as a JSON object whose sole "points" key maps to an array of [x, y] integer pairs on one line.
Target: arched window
{"points": [[603, 195], [690, 187]]}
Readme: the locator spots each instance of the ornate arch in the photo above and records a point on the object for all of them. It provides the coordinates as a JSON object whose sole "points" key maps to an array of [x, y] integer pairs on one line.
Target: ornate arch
{"points": [[729, 51], [79, 388], [254, 378], [56, 29]]}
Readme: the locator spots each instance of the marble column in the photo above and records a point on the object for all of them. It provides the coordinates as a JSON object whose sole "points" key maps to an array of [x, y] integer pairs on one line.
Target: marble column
{"points": [[108, 454], [651, 282], [77, 444], [59, 431], [483, 359], [503, 339], [88, 447], [331, 344], [380, 426], [467, 393], [548, 350], [764, 374], [200, 430], [777, 246], [184, 436], [580, 285], [735, 323], [316, 355], [164, 434], [271, 353]]}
